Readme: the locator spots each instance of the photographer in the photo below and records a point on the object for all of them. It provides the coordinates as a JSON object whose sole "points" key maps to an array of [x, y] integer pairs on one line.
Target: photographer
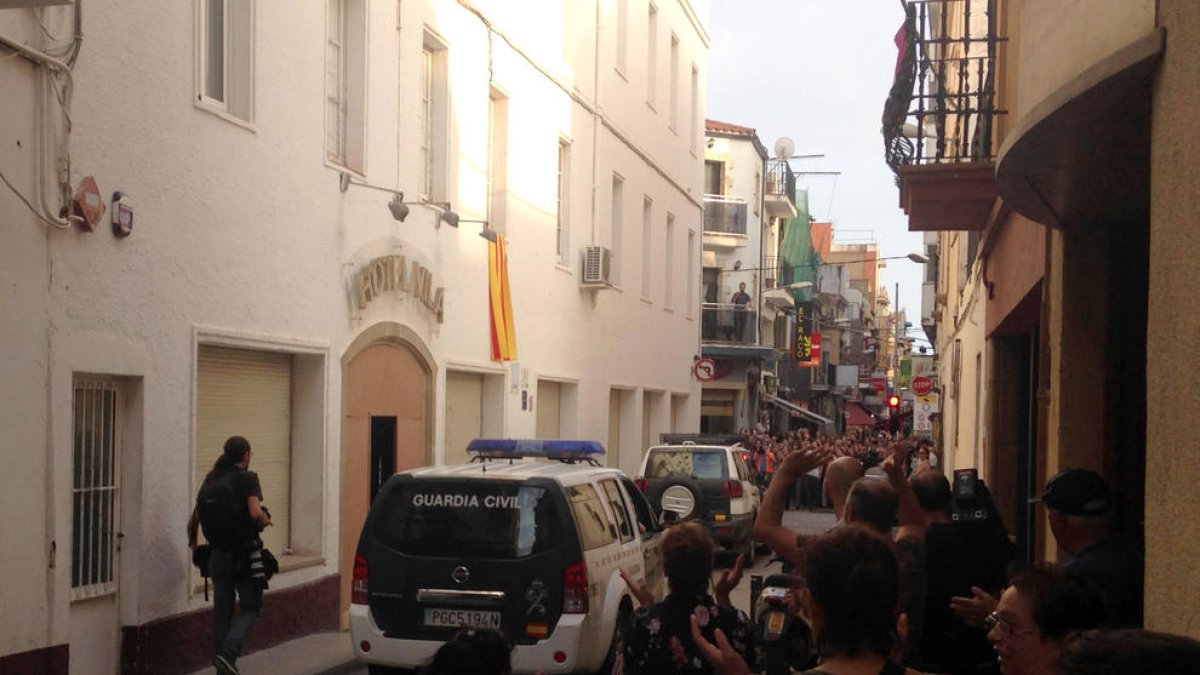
{"points": [[973, 552], [229, 509]]}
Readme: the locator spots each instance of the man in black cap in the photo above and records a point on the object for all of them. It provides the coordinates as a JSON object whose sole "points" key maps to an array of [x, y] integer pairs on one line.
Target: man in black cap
{"points": [[1080, 505]]}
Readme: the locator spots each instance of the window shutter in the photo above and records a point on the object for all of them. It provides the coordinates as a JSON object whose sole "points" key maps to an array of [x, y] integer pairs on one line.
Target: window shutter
{"points": [[464, 414], [241, 392]]}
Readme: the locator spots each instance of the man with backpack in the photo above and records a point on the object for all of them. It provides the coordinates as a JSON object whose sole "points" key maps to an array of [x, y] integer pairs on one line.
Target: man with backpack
{"points": [[229, 510]]}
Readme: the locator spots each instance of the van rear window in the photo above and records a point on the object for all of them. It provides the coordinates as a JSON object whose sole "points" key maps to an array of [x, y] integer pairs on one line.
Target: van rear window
{"points": [[687, 463], [499, 520]]}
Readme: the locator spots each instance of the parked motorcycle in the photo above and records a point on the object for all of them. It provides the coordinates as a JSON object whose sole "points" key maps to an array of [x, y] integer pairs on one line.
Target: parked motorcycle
{"points": [[784, 640]]}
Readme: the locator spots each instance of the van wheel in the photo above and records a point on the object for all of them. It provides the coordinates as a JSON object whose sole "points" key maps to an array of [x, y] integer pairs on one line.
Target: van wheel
{"points": [[618, 642]]}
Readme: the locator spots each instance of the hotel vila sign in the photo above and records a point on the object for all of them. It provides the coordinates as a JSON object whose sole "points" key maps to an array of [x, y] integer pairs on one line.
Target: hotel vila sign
{"points": [[397, 275]]}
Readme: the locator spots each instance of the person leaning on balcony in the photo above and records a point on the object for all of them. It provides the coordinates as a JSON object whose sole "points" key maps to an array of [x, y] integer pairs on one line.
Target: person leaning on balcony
{"points": [[740, 301]]}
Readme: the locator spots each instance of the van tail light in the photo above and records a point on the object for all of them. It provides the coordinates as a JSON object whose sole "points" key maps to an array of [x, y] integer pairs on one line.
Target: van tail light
{"points": [[358, 585], [733, 488], [642, 484], [575, 589]]}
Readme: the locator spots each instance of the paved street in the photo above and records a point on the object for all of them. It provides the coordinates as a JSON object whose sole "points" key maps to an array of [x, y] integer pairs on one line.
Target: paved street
{"points": [[802, 521]]}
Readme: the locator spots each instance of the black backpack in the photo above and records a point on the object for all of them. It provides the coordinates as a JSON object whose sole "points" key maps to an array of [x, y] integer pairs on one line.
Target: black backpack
{"points": [[222, 514]]}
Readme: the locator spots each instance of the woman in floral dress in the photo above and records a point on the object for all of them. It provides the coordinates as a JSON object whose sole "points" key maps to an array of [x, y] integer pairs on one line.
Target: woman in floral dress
{"points": [[658, 638]]}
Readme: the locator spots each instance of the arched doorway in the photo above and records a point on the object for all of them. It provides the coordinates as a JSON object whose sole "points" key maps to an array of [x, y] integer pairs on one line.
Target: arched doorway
{"points": [[387, 389]]}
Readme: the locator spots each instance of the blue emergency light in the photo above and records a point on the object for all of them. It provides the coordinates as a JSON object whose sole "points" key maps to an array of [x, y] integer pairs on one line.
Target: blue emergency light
{"points": [[519, 448]]}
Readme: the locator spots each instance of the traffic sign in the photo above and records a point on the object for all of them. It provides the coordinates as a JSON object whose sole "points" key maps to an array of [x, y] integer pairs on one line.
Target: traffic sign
{"points": [[921, 385], [705, 370]]}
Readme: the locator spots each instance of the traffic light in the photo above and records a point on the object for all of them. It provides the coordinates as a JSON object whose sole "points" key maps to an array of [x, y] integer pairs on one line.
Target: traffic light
{"points": [[893, 402]]}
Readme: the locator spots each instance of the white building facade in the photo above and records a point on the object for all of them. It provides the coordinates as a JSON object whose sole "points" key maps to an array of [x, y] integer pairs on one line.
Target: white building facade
{"points": [[264, 285]]}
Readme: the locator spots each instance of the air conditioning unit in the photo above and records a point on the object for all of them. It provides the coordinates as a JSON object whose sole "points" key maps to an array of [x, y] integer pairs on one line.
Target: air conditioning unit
{"points": [[597, 266]]}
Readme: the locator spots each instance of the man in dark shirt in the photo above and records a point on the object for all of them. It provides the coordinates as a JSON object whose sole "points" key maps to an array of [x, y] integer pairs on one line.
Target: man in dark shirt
{"points": [[229, 563], [1080, 505], [960, 555], [740, 301]]}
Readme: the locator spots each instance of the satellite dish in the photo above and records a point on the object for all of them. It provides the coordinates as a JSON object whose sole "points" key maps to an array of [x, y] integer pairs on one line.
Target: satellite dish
{"points": [[784, 148]]}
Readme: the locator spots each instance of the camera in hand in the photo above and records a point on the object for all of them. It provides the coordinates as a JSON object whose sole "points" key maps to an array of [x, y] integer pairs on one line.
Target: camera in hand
{"points": [[968, 505]]}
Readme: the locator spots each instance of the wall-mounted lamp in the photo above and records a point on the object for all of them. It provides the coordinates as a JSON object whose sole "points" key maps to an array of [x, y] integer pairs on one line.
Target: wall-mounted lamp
{"points": [[487, 232], [398, 206]]}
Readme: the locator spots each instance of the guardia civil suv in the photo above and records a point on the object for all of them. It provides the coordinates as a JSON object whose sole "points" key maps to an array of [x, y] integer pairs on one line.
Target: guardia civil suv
{"points": [[528, 538]]}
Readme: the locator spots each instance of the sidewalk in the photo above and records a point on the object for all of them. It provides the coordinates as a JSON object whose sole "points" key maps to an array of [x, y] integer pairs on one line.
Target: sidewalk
{"points": [[317, 654]]}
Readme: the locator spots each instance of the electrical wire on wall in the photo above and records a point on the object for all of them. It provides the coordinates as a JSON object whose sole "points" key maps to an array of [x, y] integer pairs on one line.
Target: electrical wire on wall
{"points": [[54, 64]]}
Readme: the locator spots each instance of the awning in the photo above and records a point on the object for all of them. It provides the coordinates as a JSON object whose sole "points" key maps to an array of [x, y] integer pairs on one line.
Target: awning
{"points": [[858, 416], [797, 410]]}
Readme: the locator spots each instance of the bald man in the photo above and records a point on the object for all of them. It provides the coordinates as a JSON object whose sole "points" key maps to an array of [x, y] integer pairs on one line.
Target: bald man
{"points": [[839, 476]]}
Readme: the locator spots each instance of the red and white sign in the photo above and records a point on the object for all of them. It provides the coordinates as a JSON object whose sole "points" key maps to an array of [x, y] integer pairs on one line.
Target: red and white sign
{"points": [[921, 385], [705, 370]]}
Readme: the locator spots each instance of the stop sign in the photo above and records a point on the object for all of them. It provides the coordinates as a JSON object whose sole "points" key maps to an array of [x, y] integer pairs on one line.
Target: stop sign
{"points": [[921, 385]]}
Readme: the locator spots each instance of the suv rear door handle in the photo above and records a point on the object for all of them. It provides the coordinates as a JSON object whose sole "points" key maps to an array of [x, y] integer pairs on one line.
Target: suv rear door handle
{"points": [[452, 598]]}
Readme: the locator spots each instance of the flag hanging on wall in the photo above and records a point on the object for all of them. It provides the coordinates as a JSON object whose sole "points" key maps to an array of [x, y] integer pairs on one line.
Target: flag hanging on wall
{"points": [[504, 335]]}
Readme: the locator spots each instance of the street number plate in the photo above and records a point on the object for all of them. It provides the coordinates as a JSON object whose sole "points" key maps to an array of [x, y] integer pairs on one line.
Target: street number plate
{"points": [[775, 624], [454, 618]]}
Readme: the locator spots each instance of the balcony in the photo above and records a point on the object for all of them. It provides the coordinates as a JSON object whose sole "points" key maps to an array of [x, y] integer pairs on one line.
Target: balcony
{"points": [[723, 323], [939, 119], [724, 215], [780, 190]]}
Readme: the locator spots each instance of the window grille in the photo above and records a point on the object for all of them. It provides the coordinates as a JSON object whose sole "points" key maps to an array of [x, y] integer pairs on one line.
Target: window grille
{"points": [[96, 471]]}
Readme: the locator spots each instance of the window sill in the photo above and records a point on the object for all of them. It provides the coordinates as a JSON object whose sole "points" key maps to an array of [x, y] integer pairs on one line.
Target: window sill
{"points": [[342, 168], [669, 310], [652, 107], [646, 300], [621, 74], [212, 109]]}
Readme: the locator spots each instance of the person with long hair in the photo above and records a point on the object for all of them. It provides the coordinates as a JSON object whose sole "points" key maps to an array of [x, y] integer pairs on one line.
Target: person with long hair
{"points": [[229, 560]]}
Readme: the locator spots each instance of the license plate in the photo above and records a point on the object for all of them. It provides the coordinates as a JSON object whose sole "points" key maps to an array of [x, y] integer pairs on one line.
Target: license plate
{"points": [[455, 618], [775, 624]]}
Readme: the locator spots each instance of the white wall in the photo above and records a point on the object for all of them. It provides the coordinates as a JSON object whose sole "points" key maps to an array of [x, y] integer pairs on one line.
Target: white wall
{"points": [[242, 232]]}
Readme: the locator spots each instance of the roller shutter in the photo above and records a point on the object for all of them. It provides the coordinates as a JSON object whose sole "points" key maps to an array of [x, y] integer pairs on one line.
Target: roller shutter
{"points": [[241, 392], [464, 413], [549, 395]]}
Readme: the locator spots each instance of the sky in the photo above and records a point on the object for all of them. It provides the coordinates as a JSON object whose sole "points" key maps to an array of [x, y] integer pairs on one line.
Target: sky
{"points": [[818, 72]]}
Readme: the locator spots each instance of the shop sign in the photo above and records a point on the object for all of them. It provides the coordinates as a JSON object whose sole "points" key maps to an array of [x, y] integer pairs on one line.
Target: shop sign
{"points": [[803, 346], [397, 275]]}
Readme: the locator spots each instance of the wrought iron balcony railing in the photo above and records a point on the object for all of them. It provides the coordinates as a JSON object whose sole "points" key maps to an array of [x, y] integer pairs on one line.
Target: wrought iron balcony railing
{"points": [[724, 215], [942, 104], [781, 180]]}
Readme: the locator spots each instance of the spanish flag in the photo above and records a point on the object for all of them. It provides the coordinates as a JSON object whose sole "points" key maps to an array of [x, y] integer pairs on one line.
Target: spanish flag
{"points": [[504, 336]]}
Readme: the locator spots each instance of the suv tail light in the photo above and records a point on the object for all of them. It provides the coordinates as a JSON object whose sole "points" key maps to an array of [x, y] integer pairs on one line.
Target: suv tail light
{"points": [[733, 488], [575, 589], [642, 484], [358, 586]]}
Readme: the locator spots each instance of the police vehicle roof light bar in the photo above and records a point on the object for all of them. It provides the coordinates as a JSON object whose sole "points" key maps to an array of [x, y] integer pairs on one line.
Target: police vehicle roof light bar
{"points": [[519, 448]]}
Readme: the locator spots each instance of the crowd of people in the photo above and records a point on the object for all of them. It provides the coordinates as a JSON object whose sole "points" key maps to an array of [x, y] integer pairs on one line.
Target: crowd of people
{"points": [[906, 582]]}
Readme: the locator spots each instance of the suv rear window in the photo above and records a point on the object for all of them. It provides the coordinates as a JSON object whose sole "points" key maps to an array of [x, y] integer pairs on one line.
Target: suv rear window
{"points": [[687, 463], [503, 520]]}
